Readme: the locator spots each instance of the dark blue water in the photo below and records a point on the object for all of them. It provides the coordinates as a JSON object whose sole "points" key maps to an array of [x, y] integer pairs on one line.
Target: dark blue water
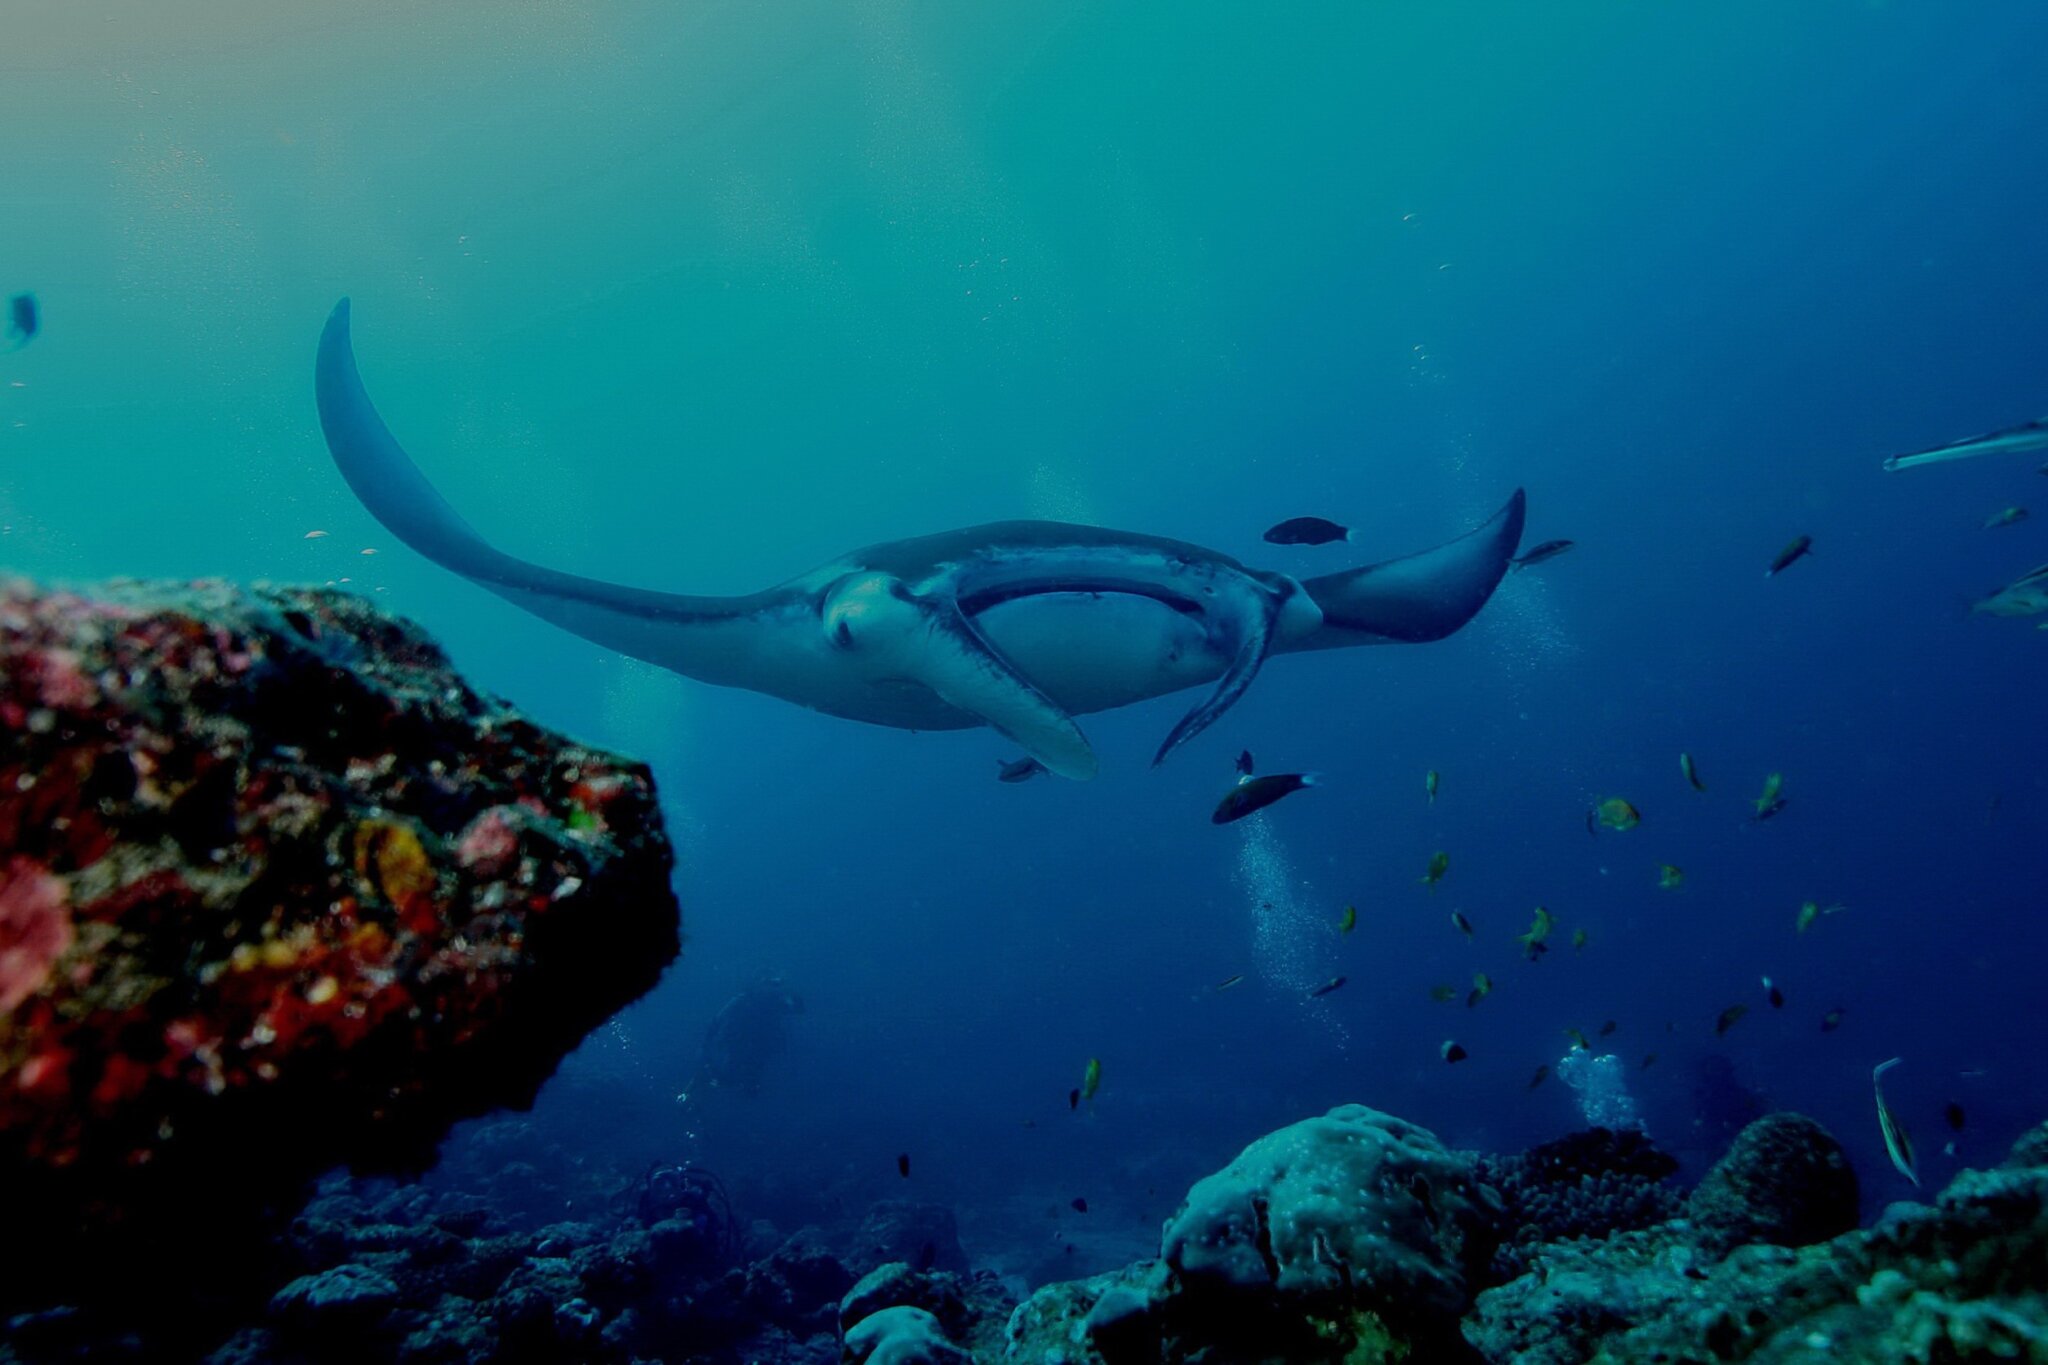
{"points": [[698, 299]]}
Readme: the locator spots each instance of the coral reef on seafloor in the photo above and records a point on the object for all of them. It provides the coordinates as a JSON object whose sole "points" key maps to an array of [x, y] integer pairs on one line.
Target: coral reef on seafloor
{"points": [[279, 890], [1592, 1183], [1345, 1240], [657, 1273], [1964, 1278]]}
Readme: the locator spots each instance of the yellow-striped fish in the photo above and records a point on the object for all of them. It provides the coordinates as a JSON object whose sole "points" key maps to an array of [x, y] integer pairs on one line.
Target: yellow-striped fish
{"points": [[1347, 921], [1897, 1144], [1439, 863], [1091, 1079], [1691, 771], [1773, 799], [1670, 878], [1615, 814], [1429, 781], [1533, 942]]}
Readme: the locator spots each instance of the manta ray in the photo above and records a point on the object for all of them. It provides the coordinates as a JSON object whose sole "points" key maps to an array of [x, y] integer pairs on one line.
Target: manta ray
{"points": [[1018, 625]]}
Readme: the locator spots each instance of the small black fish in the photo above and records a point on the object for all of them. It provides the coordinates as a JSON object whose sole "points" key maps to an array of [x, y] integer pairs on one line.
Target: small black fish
{"points": [[903, 1164], [1954, 1114], [1074, 1098], [1258, 793], [1832, 1020], [1453, 1052], [1769, 809], [1332, 984], [1542, 1075], [1607, 1029], [1307, 531], [1800, 547], [22, 319], [1549, 549], [1244, 762], [1649, 1060], [1018, 769], [1728, 1018], [1773, 994], [1079, 1205]]}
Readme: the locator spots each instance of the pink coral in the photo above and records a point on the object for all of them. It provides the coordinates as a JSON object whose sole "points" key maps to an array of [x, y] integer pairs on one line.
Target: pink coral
{"points": [[35, 929], [62, 682], [490, 844]]}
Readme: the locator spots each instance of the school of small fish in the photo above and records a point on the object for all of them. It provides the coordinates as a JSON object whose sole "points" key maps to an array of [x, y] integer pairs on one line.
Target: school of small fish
{"points": [[1616, 814]]}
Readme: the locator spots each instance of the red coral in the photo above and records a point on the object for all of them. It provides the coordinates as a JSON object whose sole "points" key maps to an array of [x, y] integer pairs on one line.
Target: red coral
{"points": [[35, 929]]}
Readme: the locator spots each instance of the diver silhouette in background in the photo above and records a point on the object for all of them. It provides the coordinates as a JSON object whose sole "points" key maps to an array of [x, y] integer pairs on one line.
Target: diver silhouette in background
{"points": [[746, 1036]]}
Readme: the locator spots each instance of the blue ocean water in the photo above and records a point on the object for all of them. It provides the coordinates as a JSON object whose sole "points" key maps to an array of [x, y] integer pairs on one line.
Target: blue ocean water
{"points": [[696, 297]]}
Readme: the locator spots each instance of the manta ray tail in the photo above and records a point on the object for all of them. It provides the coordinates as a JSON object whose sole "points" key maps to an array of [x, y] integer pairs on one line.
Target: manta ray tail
{"points": [[633, 621], [1420, 597]]}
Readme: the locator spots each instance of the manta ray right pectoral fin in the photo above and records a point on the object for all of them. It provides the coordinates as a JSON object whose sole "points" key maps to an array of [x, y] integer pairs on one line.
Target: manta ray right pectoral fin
{"points": [[937, 645], [1255, 641]]}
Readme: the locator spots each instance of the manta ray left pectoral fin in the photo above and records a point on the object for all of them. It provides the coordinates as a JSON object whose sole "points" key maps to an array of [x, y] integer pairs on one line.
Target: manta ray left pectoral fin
{"points": [[1255, 641], [928, 640], [966, 672]]}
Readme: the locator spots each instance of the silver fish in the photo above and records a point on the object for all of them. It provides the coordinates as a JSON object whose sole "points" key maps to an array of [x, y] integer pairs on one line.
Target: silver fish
{"points": [[1897, 1144], [2026, 436]]}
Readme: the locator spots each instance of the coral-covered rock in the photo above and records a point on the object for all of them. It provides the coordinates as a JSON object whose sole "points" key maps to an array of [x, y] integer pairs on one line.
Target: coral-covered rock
{"points": [[1577, 1292], [349, 1296], [1962, 1279], [800, 1284], [277, 889], [896, 1285], [1354, 1236], [2029, 1148], [1051, 1326], [1785, 1182], [971, 1309], [1354, 1213], [902, 1336], [1593, 1183]]}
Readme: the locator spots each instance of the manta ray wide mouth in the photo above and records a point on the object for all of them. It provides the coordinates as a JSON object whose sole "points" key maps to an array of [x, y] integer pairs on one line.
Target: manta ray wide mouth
{"points": [[979, 600]]}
